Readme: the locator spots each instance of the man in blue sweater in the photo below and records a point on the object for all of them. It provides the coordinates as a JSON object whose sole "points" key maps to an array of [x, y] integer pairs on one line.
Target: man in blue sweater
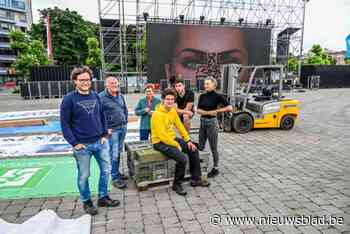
{"points": [[116, 112], [83, 126]]}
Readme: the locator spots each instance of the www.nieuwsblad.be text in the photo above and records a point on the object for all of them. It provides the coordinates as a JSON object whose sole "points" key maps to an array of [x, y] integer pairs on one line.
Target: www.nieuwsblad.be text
{"points": [[227, 220]]}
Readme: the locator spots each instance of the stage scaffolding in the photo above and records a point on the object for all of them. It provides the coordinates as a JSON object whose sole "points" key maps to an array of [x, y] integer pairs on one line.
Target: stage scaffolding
{"points": [[122, 42]]}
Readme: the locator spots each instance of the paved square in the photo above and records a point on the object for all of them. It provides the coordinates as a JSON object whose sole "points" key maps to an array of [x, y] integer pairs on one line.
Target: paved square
{"points": [[305, 171]]}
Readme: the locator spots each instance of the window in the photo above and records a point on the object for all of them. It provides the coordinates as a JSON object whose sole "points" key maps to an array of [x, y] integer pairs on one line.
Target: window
{"points": [[23, 18], [2, 13], [6, 26], [4, 40], [7, 15], [18, 4], [5, 3], [7, 51]]}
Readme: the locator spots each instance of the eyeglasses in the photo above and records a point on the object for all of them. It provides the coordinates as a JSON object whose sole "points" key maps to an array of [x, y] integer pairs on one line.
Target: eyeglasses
{"points": [[84, 80]]}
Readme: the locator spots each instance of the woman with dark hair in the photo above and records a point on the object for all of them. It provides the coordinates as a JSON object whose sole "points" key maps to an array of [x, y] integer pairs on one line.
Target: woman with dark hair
{"points": [[208, 108]]}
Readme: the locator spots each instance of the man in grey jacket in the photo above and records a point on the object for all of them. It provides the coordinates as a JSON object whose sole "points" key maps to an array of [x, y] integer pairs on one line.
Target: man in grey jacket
{"points": [[116, 113]]}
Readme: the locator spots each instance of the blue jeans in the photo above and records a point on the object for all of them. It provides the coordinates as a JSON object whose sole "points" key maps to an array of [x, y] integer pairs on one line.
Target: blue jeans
{"points": [[83, 158], [144, 134], [116, 143]]}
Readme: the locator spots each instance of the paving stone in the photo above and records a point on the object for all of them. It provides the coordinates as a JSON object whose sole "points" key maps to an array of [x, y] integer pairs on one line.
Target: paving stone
{"points": [[288, 229], [66, 214], [186, 215], [330, 231], [232, 230], [13, 210], [22, 202], [154, 229], [99, 230], [342, 228], [30, 211], [274, 232], [134, 227], [331, 209], [175, 230], [252, 231], [35, 202], [152, 220], [308, 230], [171, 222], [268, 228], [191, 226], [115, 225]]}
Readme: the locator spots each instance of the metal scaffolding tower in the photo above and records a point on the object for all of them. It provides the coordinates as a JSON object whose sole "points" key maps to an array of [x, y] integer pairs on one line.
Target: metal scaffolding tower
{"points": [[130, 18]]}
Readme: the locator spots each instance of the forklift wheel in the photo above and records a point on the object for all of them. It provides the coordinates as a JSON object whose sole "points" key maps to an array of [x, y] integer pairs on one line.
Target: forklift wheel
{"points": [[287, 122], [242, 123]]}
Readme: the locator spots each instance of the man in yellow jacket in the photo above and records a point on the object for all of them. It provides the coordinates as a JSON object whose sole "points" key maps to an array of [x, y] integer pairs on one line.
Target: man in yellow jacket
{"points": [[164, 139]]}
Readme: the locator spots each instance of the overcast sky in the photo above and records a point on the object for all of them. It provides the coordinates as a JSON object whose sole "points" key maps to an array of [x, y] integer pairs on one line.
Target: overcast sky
{"points": [[327, 22]]}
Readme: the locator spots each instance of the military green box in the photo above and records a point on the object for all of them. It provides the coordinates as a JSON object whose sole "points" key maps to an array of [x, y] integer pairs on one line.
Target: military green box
{"points": [[149, 155], [131, 148], [148, 165], [151, 171]]}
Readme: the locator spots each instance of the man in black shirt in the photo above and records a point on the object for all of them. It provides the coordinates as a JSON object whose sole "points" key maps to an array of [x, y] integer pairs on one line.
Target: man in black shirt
{"points": [[208, 108], [184, 101]]}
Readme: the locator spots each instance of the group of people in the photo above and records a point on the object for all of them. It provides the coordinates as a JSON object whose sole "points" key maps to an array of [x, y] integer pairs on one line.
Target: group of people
{"points": [[96, 125]]}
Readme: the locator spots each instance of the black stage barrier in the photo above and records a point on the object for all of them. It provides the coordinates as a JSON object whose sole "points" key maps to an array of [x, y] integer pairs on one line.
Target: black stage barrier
{"points": [[55, 73], [53, 89], [328, 76]]}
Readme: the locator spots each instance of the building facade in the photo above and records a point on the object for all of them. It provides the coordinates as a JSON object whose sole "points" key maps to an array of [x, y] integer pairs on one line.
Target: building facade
{"points": [[13, 14], [339, 56]]}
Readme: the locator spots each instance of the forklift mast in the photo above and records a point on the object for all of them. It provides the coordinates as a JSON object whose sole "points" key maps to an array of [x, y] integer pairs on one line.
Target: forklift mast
{"points": [[231, 81]]}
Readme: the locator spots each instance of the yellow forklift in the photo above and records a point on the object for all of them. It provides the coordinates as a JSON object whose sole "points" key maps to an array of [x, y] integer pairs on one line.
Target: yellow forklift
{"points": [[259, 103]]}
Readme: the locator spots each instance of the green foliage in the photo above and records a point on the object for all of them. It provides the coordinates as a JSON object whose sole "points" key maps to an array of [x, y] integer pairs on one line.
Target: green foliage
{"points": [[347, 61], [94, 53], [19, 41], [292, 63], [70, 33], [30, 52], [112, 67], [319, 57], [273, 60]]}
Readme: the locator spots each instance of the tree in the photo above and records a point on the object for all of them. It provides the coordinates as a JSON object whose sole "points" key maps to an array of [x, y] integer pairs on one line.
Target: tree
{"points": [[292, 63], [30, 52], [319, 57], [94, 53], [70, 33], [347, 61]]}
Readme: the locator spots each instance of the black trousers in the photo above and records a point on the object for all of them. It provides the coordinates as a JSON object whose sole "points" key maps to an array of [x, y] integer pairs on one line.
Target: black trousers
{"points": [[181, 158], [209, 130]]}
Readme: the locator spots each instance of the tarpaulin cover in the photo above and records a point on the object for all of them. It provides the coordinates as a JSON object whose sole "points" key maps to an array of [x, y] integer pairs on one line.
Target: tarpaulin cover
{"points": [[47, 221], [41, 145]]}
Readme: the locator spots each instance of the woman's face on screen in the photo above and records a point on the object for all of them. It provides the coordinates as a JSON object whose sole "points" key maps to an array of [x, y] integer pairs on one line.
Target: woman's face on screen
{"points": [[196, 43]]}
